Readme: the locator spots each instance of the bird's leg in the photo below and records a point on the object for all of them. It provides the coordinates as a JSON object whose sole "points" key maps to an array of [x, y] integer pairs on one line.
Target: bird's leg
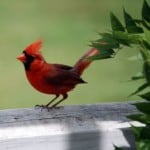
{"points": [[64, 97], [47, 105], [52, 100]]}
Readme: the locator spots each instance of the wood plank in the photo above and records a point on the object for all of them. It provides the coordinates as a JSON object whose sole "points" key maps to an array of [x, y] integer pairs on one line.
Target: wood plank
{"points": [[90, 127]]}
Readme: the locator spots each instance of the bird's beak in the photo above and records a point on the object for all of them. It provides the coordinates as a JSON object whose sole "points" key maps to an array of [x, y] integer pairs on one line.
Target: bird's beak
{"points": [[21, 58]]}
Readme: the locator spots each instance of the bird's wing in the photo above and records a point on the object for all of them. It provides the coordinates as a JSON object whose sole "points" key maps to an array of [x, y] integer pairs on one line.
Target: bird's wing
{"points": [[63, 67], [63, 76]]}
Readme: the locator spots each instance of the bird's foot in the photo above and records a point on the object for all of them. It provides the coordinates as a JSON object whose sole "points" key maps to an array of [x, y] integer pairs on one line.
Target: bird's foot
{"points": [[47, 107], [41, 107]]}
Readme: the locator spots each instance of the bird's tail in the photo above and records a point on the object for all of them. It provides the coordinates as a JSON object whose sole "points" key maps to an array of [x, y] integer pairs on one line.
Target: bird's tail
{"points": [[84, 62]]}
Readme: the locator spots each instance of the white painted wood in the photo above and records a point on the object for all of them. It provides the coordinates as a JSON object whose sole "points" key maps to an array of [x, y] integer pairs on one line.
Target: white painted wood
{"points": [[86, 127]]}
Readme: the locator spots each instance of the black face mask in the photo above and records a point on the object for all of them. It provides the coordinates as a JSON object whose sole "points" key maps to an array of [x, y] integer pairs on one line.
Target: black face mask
{"points": [[29, 60]]}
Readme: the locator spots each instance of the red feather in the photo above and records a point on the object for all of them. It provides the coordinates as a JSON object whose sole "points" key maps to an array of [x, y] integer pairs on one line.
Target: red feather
{"points": [[34, 48], [84, 62], [57, 79]]}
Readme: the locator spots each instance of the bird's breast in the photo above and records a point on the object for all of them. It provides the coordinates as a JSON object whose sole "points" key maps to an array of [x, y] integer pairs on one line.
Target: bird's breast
{"points": [[38, 81]]}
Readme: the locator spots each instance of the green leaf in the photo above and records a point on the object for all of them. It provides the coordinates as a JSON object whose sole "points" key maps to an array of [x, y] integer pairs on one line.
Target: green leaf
{"points": [[146, 11], [143, 144], [135, 38], [141, 132], [99, 57], [143, 118], [126, 39], [122, 38], [143, 107], [146, 70], [146, 44], [138, 76], [109, 40], [105, 45], [142, 136], [139, 21], [145, 132], [146, 24], [104, 48], [130, 24], [137, 132], [145, 55], [115, 23], [141, 88], [146, 35], [146, 96]]}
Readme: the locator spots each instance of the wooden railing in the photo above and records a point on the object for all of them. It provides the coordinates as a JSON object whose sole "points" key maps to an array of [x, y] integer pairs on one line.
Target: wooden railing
{"points": [[85, 127]]}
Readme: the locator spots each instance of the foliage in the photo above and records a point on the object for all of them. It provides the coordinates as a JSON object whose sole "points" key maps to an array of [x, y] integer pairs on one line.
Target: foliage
{"points": [[133, 33]]}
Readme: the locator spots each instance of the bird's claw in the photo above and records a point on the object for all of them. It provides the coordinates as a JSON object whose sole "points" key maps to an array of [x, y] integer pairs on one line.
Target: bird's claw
{"points": [[47, 107], [39, 106]]}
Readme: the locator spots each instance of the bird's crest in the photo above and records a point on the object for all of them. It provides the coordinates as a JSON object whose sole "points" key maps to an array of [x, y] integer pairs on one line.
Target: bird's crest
{"points": [[34, 48]]}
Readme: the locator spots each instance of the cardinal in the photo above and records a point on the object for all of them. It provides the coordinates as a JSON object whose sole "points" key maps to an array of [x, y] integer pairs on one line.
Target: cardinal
{"points": [[50, 78]]}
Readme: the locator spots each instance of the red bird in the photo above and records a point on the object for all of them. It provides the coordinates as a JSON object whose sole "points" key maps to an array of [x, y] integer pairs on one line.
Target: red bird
{"points": [[57, 79]]}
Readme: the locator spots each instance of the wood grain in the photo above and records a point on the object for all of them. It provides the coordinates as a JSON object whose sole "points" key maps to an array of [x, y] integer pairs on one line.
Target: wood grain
{"points": [[89, 127]]}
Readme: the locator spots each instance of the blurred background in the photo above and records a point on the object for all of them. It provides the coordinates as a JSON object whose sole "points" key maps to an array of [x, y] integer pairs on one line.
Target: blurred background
{"points": [[66, 27]]}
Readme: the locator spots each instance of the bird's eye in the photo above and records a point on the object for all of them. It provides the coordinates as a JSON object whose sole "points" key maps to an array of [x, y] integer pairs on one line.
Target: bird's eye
{"points": [[29, 58], [24, 52]]}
